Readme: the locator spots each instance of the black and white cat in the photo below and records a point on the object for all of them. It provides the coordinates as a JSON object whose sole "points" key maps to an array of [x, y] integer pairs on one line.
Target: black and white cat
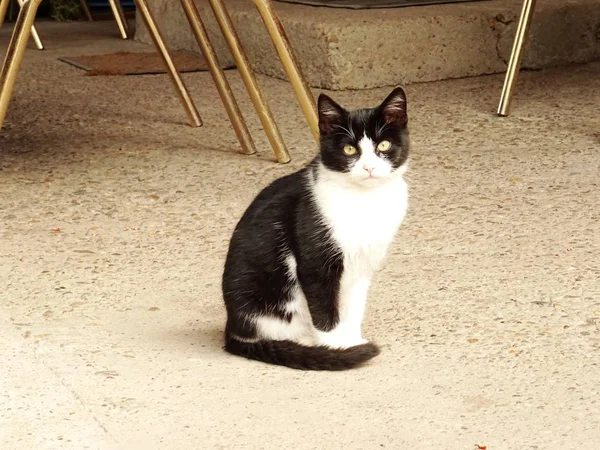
{"points": [[301, 258]]}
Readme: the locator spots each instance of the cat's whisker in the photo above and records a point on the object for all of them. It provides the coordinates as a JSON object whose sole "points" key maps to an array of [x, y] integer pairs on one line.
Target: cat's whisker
{"points": [[382, 128], [352, 135], [345, 131]]}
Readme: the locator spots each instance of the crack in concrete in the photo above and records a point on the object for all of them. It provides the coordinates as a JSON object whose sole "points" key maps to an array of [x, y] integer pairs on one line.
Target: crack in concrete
{"points": [[75, 395], [499, 52], [499, 31]]}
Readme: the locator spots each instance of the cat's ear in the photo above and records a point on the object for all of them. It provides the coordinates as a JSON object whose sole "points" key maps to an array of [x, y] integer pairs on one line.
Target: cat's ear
{"points": [[393, 108], [330, 114]]}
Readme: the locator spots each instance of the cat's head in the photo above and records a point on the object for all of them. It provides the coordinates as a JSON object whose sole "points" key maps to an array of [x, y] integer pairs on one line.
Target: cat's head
{"points": [[368, 145]]}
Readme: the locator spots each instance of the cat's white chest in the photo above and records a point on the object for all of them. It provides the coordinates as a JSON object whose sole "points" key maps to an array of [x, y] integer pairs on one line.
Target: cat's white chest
{"points": [[363, 221]]}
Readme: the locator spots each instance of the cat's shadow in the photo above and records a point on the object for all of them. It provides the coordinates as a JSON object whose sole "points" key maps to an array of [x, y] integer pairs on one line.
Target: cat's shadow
{"points": [[26, 149], [200, 335]]}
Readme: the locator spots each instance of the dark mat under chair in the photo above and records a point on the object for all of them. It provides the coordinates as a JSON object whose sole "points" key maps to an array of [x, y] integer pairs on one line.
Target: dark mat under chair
{"points": [[126, 63]]}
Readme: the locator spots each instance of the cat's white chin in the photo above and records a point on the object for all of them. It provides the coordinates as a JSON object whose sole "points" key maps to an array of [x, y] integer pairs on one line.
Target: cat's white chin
{"points": [[371, 181]]}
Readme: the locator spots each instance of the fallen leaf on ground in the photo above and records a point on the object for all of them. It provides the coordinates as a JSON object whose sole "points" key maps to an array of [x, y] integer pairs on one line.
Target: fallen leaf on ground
{"points": [[40, 336]]}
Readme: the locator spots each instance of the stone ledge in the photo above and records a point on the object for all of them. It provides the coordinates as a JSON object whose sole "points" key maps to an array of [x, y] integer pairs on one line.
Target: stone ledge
{"points": [[346, 49]]}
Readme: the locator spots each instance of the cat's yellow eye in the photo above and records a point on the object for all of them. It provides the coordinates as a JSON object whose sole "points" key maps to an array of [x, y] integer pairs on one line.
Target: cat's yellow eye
{"points": [[349, 150], [384, 146]]}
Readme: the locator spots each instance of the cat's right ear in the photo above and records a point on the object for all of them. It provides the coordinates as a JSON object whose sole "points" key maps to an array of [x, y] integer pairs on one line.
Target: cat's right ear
{"points": [[330, 114]]}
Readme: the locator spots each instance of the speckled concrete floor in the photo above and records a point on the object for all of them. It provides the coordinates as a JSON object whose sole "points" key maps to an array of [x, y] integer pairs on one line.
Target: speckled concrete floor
{"points": [[488, 309]]}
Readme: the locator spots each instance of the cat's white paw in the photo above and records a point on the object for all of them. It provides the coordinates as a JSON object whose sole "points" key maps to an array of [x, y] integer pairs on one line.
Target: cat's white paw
{"points": [[335, 339], [307, 341]]}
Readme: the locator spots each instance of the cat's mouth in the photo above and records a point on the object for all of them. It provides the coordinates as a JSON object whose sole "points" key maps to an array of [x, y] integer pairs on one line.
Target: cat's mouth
{"points": [[371, 179], [374, 176]]}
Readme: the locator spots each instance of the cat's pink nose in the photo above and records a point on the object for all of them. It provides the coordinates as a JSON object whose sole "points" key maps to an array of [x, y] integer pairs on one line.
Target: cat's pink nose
{"points": [[368, 169]]}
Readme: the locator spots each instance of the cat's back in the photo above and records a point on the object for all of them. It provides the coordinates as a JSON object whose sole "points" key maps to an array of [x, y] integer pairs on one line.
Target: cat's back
{"points": [[275, 201], [264, 230]]}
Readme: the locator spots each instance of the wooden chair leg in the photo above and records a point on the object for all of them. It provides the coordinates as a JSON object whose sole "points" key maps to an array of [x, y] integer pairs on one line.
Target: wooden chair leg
{"points": [[256, 95], [178, 83], [218, 76], [15, 52], [290, 64], [512, 71], [119, 15]]}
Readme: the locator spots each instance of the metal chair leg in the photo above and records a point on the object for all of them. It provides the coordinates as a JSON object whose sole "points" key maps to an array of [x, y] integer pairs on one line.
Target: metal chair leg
{"points": [[260, 104], [512, 71], [3, 8], [290, 64], [117, 10], [86, 10], [34, 33], [178, 83], [15, 52], [218, 76]]}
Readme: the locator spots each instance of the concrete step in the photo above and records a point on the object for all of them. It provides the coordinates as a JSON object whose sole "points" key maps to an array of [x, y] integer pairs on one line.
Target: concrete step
{"points": [[349, 49]]}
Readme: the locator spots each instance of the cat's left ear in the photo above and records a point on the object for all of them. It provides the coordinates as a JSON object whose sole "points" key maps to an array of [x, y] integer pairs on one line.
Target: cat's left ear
{"points": [[393, 108], [330, 114]]}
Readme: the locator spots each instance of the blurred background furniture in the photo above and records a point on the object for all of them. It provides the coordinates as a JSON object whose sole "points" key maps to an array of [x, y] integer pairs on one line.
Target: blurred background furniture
{"points": [[20, 36], [24, 27]]}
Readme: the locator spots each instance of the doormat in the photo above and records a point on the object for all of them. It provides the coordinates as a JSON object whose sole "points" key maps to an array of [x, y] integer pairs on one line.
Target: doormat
{"points": [[125, 63], [372, 4]]}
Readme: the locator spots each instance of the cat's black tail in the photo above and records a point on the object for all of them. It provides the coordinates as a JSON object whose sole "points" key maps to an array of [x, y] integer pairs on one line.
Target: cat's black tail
{"points": [[296, 356]]}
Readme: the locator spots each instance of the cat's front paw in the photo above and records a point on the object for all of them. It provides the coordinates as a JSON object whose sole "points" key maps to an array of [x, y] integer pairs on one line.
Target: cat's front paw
{"points": [[339, 340]]}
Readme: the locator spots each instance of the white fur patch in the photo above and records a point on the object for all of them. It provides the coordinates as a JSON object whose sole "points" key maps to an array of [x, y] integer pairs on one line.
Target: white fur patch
{"points": [[292, 265], [364, 221], [366, 145], [369, 168], [273, 328], [363, 218]]}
